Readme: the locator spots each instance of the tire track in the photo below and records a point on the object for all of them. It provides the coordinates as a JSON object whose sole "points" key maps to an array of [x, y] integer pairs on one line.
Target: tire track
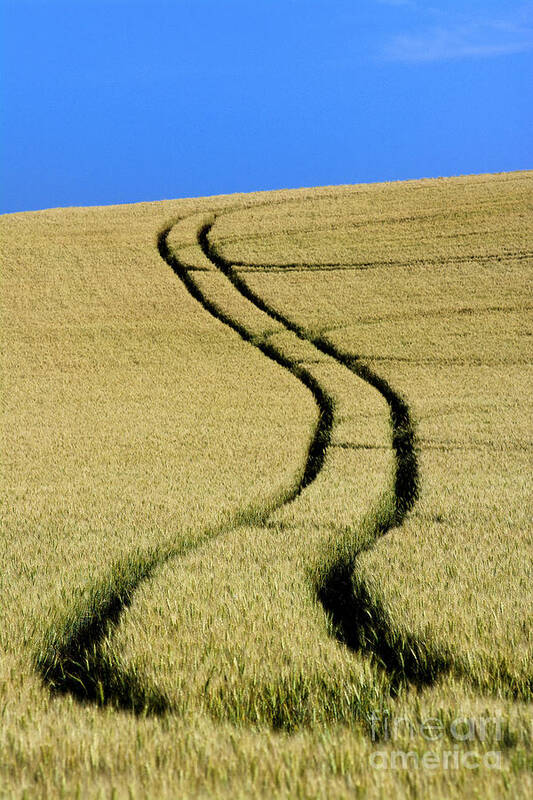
{"points": [[246, 266], [359, 621], [358, 618], [74, 657]]}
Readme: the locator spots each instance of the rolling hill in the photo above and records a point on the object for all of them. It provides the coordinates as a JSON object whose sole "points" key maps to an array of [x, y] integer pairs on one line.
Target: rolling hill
{"points": [[266, 482]]}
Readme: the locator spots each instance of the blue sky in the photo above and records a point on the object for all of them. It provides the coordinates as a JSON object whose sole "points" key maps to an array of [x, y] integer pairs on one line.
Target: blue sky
{"points": [[116, 101]]}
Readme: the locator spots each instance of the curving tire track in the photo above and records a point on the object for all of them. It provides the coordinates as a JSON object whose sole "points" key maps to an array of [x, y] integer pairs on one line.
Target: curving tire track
{"points": [[74, 655], [359, 621]]}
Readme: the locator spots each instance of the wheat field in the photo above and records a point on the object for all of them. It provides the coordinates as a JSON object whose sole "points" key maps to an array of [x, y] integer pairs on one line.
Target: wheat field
{"points": [[266, 493]]}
